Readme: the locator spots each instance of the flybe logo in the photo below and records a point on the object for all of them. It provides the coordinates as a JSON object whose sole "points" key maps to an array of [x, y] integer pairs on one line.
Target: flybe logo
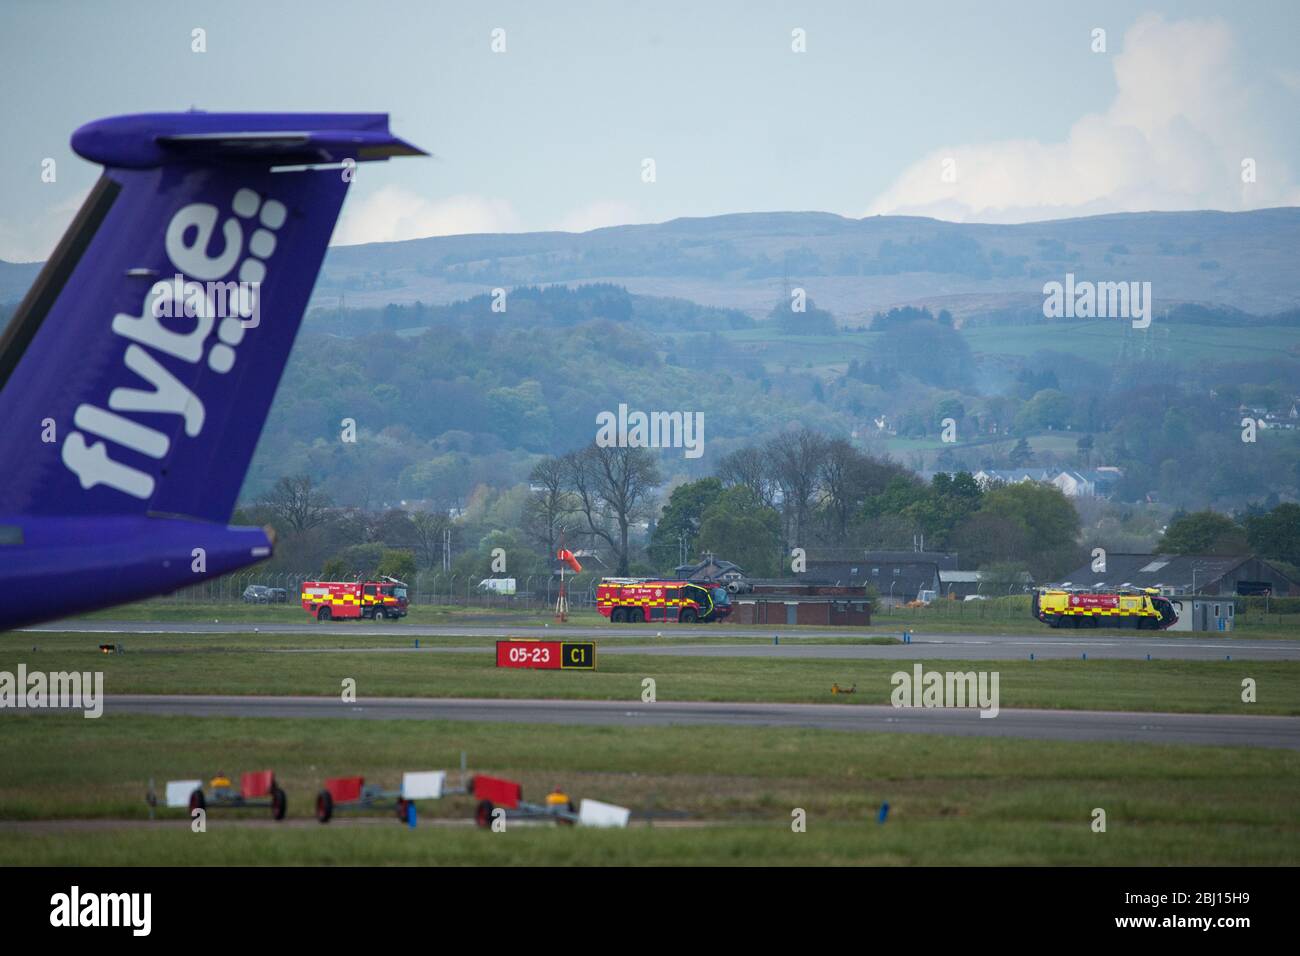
{"points": [[188, 235]]}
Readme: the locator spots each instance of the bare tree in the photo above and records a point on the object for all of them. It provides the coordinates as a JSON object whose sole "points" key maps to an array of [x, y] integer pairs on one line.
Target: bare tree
{"points": [[613, 485], [841, 482], [550, 509], [297, 503], [430, 528], [796, 462], [752, 468]]}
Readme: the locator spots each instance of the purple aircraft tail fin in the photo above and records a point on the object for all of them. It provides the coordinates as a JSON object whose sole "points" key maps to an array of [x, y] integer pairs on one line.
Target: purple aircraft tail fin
{"points": [[138, 371]]}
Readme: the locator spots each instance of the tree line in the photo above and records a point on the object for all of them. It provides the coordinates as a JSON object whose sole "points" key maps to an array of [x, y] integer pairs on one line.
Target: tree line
{"points": [[799, 489]]}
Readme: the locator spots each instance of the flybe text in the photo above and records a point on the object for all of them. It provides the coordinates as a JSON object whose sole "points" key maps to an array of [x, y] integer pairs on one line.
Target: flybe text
{"points": [[94, 450]]}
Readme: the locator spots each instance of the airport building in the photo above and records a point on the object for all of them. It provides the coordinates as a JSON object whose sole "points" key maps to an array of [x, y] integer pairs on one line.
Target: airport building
{"points": [[1176, 575], [779, 601]]}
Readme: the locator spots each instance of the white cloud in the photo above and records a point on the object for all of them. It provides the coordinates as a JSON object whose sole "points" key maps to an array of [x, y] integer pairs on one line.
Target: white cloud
{"points": [[1182, 121], [392, 213]]}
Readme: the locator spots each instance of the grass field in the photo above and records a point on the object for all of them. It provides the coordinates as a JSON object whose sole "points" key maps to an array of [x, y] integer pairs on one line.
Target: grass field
{"points": [[229, 665], [1099, 340], [72, 790], [953, 801], [1102, 341]]}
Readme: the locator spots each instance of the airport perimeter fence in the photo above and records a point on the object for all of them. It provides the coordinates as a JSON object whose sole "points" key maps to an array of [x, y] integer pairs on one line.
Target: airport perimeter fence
{"points": [[537, 592], [1006, 607]]}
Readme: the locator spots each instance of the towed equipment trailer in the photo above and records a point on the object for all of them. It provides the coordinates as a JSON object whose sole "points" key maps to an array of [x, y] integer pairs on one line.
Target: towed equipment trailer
{"points": [[353, 793], [256, 789]]}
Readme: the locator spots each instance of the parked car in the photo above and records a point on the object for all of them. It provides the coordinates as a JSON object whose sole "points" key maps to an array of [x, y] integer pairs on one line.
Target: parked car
{"points": [[277, 596], [257, 594]]}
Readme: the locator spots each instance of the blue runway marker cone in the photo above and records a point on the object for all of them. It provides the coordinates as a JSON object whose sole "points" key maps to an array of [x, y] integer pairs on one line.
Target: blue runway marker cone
{"points": [[410, 814], [417, 642], [1031, 655], [1085, 655], [776, 638], [884, 812], [1148, 657]]}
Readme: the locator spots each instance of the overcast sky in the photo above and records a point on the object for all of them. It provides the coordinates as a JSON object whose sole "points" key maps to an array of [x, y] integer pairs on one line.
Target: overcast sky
{"points": [[553, 132]]}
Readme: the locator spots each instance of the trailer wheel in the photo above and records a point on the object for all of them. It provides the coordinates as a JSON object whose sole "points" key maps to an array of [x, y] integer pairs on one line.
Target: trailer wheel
{"points": [[483, 813], [324, 806], [565, 821], [197, 802], [323, 614], [279, 804]]}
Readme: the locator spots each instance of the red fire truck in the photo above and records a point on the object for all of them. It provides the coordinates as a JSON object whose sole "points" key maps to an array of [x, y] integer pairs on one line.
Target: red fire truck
{"points": [[373, 600], [626, 600]]}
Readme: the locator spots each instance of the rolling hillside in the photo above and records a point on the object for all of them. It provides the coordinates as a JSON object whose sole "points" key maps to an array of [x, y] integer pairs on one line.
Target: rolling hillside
{"points": [[852, 267]]}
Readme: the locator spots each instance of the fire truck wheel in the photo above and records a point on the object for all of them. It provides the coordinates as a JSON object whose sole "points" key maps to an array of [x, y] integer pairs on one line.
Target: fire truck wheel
{"points": [[380, 616], [324, 806], [196, 801], [483, 813], [323, 614], [616, 616], [688, 616], [278, 804]]}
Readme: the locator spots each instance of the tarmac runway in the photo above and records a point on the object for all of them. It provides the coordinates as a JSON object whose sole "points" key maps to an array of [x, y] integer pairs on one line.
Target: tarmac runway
{"points": [[642, 640], [1216, 730]]}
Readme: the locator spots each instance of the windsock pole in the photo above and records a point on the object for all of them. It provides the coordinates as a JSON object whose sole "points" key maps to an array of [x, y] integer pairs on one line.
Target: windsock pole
{"points": [[562, 602], [567, 559]]}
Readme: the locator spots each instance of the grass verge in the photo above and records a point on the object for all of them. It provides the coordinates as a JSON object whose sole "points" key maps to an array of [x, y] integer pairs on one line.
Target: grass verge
{"points": [[953, 800], [207, 666]]}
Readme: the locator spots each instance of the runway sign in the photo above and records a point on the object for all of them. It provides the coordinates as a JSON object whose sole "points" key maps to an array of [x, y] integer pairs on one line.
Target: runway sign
{"points": [[547, 655]]}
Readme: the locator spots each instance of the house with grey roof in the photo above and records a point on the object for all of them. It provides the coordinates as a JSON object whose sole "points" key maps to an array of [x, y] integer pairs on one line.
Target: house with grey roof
{"points": [[710, 569]]}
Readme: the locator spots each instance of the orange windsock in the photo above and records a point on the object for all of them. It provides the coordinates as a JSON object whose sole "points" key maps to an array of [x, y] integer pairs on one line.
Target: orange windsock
{"points": [[565, 555]]}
